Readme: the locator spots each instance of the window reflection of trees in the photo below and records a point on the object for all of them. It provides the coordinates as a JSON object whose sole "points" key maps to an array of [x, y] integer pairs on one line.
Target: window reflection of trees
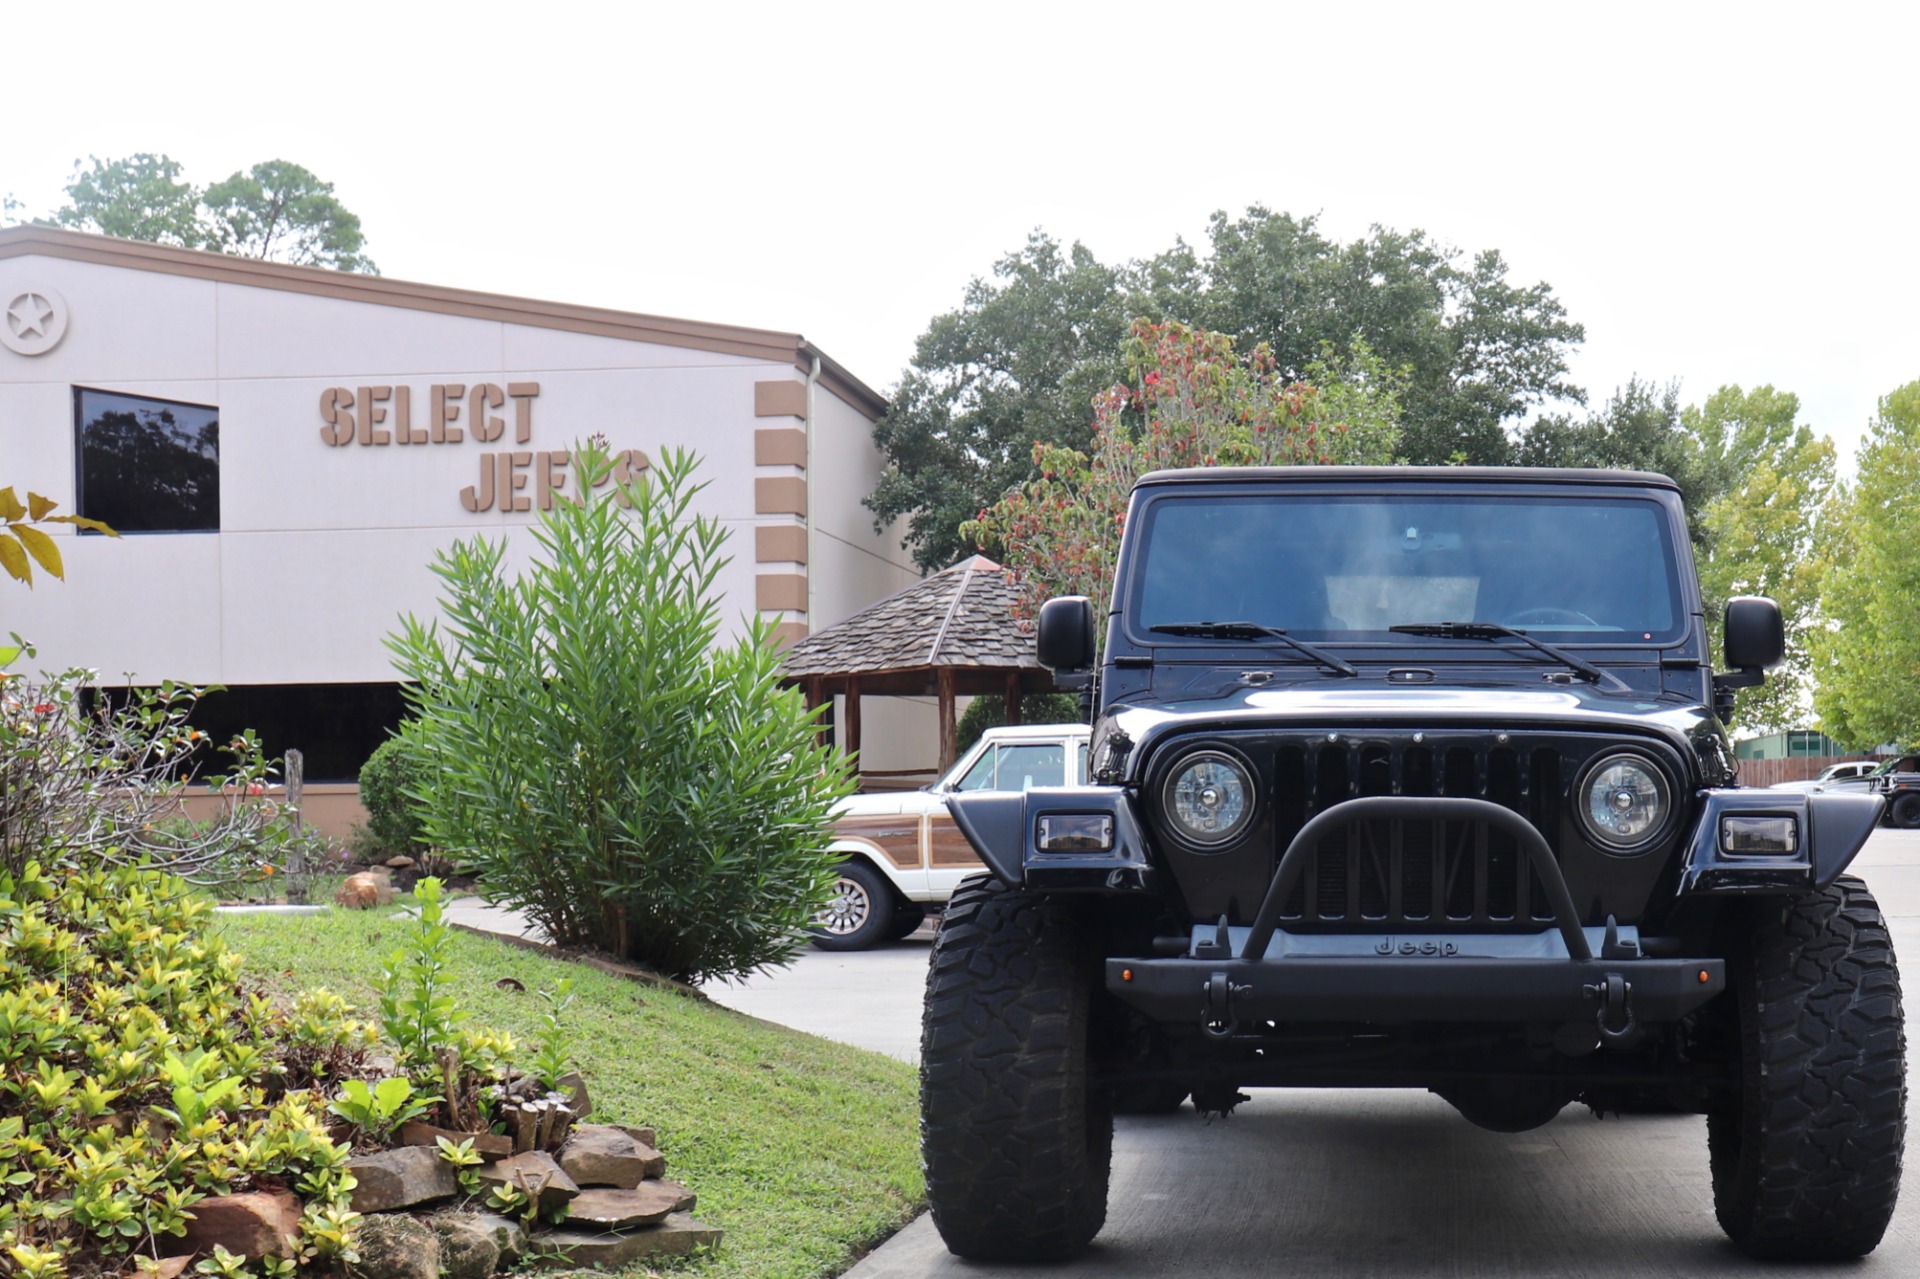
{"points": [[149, 465]]}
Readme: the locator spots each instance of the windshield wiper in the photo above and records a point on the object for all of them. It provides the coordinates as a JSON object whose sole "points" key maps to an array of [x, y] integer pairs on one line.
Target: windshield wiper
{"points": [[1493, 631], [1254, 631]]}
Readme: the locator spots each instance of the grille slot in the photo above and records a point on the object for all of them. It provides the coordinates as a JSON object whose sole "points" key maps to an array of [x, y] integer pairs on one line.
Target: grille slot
{"points": [[1427, 875]]}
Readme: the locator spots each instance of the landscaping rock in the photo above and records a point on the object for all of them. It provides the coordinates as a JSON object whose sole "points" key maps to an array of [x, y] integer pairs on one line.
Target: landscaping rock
{"points": [[402, 862], [575, 1086], [644, 1205], [487, 1144], [536, 1173], [254, 1225], [392, 1246], [507, 1234], [468, 1249], [645, 1136], [597, 1155], [673, 1237], [364, 890], [400, 1178]]}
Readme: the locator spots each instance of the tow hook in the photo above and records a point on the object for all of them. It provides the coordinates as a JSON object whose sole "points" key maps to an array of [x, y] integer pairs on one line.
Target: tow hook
{"points": [[1614, 1018], [1218, 1020]]}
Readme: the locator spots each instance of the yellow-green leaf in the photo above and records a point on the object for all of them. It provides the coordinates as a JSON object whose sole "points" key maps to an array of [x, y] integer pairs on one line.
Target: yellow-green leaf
{"points": [[10, 508], [81, 521], [38, 506], [10, 651], [45, 551], [14, 560]]}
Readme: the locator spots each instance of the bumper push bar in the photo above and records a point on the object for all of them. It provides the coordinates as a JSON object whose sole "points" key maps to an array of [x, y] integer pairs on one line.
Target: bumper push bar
{"points": [[1231, 975]]}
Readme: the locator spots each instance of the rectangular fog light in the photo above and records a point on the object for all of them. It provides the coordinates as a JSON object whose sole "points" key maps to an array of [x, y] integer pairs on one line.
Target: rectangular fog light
{"points": [[1075, 833], [1759, 836]]}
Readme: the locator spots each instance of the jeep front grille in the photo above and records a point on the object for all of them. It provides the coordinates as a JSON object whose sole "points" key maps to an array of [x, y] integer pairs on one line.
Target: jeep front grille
{"points": [[1419, 875]]}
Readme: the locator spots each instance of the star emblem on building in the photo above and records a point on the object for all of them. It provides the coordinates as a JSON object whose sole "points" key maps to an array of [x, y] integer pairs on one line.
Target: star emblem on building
{"points": [[34, 321], [29, 315]]}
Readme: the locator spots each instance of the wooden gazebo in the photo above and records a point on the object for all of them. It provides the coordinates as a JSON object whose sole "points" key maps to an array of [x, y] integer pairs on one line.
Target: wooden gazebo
{"points": [[949, 634]]}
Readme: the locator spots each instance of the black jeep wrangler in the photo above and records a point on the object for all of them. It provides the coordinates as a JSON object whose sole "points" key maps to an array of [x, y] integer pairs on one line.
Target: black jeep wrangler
{"points": [[1412, 778]]}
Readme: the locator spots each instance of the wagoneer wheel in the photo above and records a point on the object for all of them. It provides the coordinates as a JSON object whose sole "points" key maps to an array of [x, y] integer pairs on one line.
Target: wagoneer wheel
{"points": [[1017, 1142], [1806, 1162], [860, 912]]}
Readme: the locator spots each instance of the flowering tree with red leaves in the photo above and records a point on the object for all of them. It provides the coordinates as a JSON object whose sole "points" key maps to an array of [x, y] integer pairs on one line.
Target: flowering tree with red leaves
{"points": [[1193, 401]]}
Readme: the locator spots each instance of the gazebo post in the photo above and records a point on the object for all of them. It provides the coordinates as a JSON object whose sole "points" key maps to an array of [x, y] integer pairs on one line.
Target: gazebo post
{"points": [[949, 735], [852, 744], [823, 724], [1013, 698]]}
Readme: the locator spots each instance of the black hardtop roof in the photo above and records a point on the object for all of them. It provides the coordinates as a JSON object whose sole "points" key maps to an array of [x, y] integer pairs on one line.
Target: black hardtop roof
{"points": [[1465, 476]]}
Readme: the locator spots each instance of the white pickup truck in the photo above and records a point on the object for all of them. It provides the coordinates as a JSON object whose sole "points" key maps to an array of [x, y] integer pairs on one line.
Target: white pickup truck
{"points": [[904, 854]]}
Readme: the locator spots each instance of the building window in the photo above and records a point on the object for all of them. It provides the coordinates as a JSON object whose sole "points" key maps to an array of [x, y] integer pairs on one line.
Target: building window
{"points": [[145, 465]]}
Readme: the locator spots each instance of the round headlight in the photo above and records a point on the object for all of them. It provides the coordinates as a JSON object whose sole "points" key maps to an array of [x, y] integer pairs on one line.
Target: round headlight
{"points": [[1624, 802], [1208, 798]]}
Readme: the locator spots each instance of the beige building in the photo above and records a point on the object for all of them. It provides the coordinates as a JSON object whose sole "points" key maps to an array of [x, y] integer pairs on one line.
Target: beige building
{"points": [[285, 449]]}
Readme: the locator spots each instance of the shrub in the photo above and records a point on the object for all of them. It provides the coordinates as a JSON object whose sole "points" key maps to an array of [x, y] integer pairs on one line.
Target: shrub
{"points": [[990, 711], [138, 1075], [388, 782], [607, 764], [88, 785]]}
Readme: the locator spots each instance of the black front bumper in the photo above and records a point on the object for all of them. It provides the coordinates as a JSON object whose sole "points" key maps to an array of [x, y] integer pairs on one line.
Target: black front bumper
{"points": [[1397, 990], [1231, 976]]}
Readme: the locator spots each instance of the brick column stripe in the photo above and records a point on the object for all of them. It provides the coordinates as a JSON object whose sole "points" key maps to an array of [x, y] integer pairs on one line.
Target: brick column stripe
{"points": [[780, 544], [780, 446], [780, 399], [787, 634], [786, 591], [781, 495]]}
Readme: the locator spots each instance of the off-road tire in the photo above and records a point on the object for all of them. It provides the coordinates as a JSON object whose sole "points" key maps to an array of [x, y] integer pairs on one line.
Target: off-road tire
{"points": [[1017, 1140], [1904, 812], [1806, 1162], [862, 911]]}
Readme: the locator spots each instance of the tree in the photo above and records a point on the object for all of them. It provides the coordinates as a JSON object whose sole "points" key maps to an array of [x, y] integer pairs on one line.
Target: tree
{"points": [[277, 211], [1867, 657], [616, 771], [1775, 477], [282, 212], [1191, 401], [1020, 361], [1017, 364], [138, 198], [1476, 351]]}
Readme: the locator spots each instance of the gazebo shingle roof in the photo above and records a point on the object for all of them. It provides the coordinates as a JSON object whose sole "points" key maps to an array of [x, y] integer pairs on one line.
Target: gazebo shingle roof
{"points": [[959, 617]]}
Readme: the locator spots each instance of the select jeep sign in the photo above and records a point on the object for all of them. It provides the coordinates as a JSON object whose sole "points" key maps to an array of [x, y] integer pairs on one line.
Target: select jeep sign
{"points": [[452, 413]]}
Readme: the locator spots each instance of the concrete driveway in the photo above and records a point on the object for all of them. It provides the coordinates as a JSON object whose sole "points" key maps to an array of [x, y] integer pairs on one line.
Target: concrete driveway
{"points": [[1342, 1182]]}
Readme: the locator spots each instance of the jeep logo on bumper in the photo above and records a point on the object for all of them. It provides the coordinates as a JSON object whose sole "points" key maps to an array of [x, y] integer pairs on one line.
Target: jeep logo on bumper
{"points": [[1388, 946]]}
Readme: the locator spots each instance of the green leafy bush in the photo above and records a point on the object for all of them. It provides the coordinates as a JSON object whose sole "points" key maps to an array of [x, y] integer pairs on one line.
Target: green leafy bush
{"points": [[990, 711], [388, 781], [610, 765], [139, 1075]]}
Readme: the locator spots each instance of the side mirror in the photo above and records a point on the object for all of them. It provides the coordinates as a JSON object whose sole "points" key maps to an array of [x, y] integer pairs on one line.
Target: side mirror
{"points": [[1065, 638], [1755, 633]]}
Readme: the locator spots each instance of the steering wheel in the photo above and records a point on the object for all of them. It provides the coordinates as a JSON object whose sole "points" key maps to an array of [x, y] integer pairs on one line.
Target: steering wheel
{"points": [[1550, 617]]}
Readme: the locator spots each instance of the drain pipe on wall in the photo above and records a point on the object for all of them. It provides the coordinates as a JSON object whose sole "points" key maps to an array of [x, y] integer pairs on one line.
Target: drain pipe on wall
{"points": [[813, 376]]}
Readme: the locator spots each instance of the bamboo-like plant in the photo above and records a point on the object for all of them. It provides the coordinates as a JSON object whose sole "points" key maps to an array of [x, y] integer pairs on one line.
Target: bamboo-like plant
{"points": [[592, 745]]}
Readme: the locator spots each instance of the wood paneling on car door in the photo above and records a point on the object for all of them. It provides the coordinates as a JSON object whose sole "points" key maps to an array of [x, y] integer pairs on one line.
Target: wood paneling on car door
{"points": [[896, 835], [948, 847]]}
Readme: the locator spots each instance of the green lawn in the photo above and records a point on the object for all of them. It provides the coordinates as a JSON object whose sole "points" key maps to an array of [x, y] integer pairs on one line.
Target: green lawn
{"points": [[803, 1151]]}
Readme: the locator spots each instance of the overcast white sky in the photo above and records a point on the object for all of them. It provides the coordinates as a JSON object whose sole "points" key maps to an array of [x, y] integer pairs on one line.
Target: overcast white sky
{"points": [[1720, 193]]}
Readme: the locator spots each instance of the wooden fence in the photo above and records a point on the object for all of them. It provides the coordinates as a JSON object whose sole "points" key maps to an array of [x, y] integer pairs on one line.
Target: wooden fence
{"points": [[1794, 768]]}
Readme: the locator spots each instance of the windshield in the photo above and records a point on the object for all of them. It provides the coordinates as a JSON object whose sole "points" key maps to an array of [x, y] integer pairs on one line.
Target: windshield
{"points": [[1593, 569]]}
